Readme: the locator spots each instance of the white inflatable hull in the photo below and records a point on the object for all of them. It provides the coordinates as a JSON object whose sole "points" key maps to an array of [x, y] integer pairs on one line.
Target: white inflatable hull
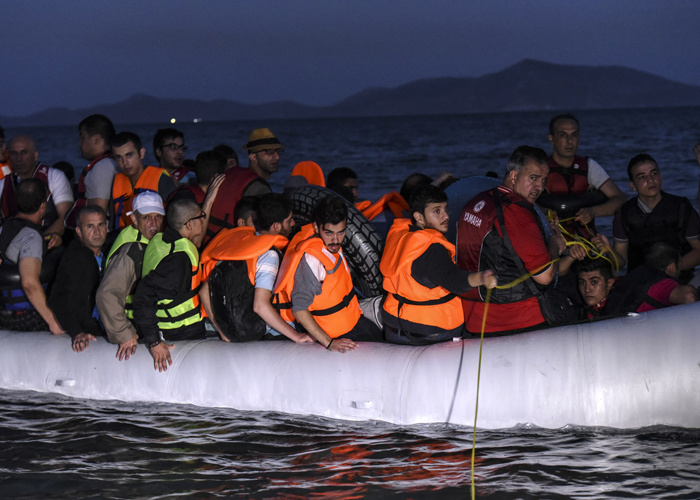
{"points": [[624, 373]]}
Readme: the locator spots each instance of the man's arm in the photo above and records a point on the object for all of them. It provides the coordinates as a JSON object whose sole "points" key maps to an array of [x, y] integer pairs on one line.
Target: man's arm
{"points": [[306, 319], [683, 294], [56, 230], [616, 198], [691, 259], [263, 308], [100, 202], [111, 300], [29, 271]]}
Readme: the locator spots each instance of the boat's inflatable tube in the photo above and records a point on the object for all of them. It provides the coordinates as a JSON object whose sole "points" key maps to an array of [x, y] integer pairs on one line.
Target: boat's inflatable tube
{"points": [[567, 205], [363, 245], [460, 192], [625, 373]]}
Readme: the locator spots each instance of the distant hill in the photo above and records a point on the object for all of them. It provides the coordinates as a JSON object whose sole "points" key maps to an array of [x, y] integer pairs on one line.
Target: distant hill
{"points": [[527, 85]]}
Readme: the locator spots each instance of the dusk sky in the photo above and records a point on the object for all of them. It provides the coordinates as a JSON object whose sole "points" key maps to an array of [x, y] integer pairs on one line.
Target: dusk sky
{"points": [[80, 53]]}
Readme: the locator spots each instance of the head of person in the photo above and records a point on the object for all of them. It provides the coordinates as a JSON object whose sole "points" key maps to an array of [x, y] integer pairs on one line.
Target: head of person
{"points": [[128, 152], [595, 279], [644, 174], [526, 172], [67, 169], [91, 227], [208, 165], [428, 207], [31, 196], [330, 220], [343, 180], [564, 135], [229, 153], [187, 218], [169, 148], [264, 151], [96, 133], [23, 155], [411, 183], [147, 213], [275, 215], [245, 212], [663, 257]]}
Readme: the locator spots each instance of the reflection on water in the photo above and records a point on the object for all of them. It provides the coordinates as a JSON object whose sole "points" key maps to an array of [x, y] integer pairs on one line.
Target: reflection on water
{"points": [[55, 446]]}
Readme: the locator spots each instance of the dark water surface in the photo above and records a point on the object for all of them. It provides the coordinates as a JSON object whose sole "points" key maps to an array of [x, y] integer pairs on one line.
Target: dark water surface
{"points": [[55, 447], [61, 448]]}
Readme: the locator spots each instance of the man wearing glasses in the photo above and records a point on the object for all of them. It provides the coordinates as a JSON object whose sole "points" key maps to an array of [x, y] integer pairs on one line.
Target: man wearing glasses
{"points": [[169, 148], [166, 304], [264, 151]]}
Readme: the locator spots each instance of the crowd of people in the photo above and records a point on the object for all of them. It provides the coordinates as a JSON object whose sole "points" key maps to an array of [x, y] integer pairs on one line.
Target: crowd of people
{"points": [[152, 255]]}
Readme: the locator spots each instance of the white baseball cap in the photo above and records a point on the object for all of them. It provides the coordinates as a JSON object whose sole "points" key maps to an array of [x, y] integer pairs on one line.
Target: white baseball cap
{"points": [[148, 202]]}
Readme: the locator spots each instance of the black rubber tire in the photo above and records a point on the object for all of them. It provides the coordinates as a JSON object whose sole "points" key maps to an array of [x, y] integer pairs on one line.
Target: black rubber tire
{"points": [[363, 245]]}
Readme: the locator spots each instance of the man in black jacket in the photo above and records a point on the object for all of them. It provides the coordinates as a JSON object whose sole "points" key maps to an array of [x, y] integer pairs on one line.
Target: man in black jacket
{"points": [[73, 294]]}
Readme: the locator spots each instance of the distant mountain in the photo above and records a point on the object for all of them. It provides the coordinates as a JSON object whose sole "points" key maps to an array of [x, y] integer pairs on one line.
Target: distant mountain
{"points": [[528, 85]]}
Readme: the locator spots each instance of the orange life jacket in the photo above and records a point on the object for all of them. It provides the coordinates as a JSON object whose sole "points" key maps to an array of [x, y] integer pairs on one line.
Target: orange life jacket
{"points": [[336, 309], [311, 171], [123, 193], [240, 243], [393, 202], [407, 299]]}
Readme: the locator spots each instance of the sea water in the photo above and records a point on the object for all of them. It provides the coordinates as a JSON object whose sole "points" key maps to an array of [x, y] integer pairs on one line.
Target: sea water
{"points": [[55, 447]]}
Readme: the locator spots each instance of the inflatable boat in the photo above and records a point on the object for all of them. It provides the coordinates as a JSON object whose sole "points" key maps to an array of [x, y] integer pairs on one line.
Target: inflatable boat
{"points": [[630, 372]]}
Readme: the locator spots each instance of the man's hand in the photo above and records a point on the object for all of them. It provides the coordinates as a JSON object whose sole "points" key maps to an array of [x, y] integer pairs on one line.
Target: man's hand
{"points": [[127, 349], [585, 215], [82, 341], [302, 338], [55, 240], [342, 345], [484, 278], [161, 356]]}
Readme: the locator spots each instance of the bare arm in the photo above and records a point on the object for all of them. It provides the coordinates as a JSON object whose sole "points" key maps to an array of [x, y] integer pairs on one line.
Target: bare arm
{"points": [[309, 323], [99, 202], [29, 271], [692, 258], [684, 294], [615, 200], [57, 229], [264, 309]]}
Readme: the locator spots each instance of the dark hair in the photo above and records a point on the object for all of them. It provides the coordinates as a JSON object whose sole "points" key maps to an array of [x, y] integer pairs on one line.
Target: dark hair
{"points": [[160, 137], [180, 210], [330, 210], [422, 196], [30, 194], [66, 168], [640, 158], [246, 206], [122, 138], [89, 210], [565, 116], [272, 207], [524, 155], [227, 152], [98, 125], [2, 132], [589, 265], [660, 255], [207, 165], [412, 182], [338, 176]]}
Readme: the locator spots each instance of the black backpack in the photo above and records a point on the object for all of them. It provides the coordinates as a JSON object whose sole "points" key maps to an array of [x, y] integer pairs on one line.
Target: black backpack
{"points": [[232, 296]]}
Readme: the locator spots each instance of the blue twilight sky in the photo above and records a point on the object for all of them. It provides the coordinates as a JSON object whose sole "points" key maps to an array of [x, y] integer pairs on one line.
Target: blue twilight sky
{"points": [[77, 53]]}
